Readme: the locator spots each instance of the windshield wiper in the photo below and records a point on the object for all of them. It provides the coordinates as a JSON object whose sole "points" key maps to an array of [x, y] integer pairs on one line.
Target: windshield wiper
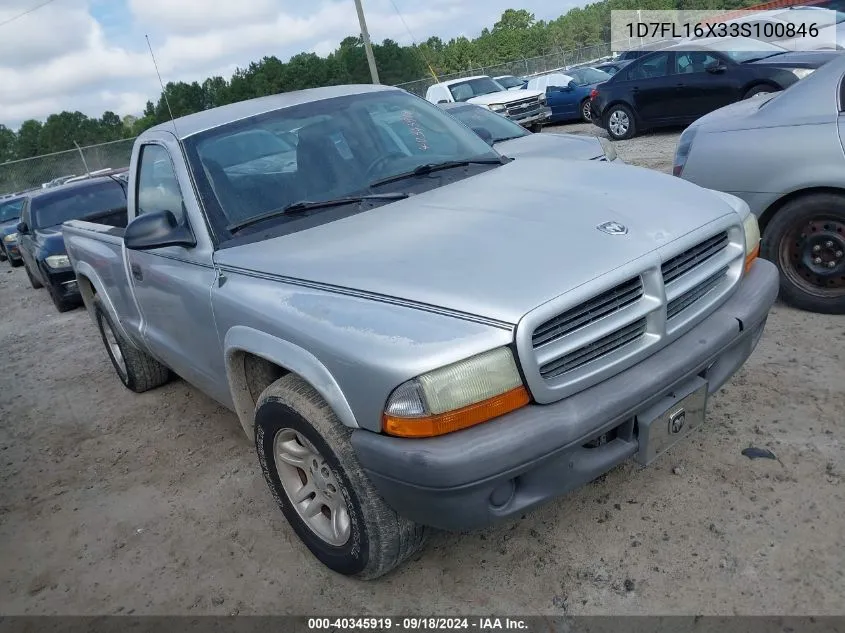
{"points": [[757, 59], [307, 205], [507, 138], [428, 168]]}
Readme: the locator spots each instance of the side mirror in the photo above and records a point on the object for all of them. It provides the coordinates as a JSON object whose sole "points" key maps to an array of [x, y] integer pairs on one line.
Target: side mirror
{"points": [[22, 228], [156, 230], [484, 133], [442, 101], [570, 85]]}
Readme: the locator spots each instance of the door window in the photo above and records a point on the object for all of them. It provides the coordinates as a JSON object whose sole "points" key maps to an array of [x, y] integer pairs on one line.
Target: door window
{"points": [[694, 62], [158, 187], [651, 67]]}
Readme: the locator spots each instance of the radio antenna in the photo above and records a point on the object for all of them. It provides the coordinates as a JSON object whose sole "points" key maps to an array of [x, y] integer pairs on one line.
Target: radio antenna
{"points": [[163, 89]]}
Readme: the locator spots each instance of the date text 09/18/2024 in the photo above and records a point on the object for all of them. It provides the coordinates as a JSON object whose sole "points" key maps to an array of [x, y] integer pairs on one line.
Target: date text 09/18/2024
{"points": [[475, 623]]}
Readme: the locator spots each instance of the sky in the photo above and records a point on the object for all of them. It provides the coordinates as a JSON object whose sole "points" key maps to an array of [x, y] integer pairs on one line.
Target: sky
{"points": [[92, 56]]}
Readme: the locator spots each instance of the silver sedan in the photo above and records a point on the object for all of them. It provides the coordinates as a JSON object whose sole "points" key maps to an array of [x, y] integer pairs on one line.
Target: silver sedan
{"points": [[783, 154]]}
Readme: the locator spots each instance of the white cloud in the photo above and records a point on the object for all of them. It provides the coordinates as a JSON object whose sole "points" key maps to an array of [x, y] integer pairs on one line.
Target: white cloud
{"points": [[60, 58]]}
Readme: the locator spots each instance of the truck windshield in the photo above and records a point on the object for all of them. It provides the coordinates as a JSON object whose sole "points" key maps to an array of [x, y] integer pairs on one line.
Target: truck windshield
{"points": [[325, 150], [75, 203], [481, 120], [465, 90], [10, 209]]}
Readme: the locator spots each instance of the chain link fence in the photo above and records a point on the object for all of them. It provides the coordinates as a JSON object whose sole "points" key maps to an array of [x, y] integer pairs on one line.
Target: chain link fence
{"points": [[558, 61], [31, 173]]}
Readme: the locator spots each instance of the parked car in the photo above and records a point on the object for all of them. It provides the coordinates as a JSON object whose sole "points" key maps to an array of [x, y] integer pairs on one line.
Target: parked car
{"points": [[515, 141], [526, 107], [10, 211], [611, 68], [568, 95], [783, 156], [384, 321], [678, 85], [101, 199], [509, 82]]}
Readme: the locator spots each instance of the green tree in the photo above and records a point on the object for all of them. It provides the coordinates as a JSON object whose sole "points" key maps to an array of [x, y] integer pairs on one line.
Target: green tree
{"points": [[8, 144]]}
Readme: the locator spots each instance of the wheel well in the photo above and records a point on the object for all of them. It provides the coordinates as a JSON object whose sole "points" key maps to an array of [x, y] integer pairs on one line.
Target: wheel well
{"points": [[260, 373], [249, 376], [776, 206], [86, 289]]}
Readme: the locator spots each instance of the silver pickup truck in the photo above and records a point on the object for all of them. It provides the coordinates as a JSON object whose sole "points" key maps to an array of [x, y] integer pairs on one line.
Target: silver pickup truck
{"points": [[416, 331]]}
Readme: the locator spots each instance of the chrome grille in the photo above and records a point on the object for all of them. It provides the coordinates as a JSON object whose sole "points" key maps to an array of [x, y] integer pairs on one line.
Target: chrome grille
{"points": [[588, 312], [594, 350], [695, 293], [693, 257]]}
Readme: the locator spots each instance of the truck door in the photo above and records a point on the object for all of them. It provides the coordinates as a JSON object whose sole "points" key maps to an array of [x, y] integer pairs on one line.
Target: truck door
{"points": [[172, 284]]}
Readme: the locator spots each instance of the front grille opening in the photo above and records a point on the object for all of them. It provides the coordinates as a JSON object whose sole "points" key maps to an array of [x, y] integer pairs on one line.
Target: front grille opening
{"points": [[588, 312], [592, 351], [679, 304], [693, 257]]}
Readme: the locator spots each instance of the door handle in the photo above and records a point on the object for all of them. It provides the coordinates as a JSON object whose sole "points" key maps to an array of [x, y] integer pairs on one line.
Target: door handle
{"points": [[137, 273]]}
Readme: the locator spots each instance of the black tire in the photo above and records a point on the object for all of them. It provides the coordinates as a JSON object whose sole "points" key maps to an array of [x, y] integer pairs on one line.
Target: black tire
{"points": [[32, 280], [16, 263], [760, 89], [62, 305], [625, 111], [379, 539], [536, 128], [141, 372], [3, 256], [789, 240], [585, 110]]}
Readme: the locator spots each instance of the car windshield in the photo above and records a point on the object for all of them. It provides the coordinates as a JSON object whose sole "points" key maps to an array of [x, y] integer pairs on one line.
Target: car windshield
{"points": [[342, 146], [10, 209], [509, 82], [77, 202], [741, 49], [465, 90], [584, 76], [482, 120]]}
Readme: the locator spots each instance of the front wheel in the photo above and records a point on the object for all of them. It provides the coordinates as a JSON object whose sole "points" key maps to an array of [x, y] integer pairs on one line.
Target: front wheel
{"points": [[806, 239], [314, 476], [32, 280], [619, 122], [62, 305], [759, 90], [585, 111]]}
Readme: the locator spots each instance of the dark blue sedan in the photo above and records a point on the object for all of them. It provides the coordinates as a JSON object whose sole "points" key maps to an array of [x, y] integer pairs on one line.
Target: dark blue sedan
{"points": [[572, 101]]}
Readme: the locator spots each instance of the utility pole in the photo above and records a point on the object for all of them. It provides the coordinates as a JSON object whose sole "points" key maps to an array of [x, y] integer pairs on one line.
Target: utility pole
{"points": [[368, 48]]}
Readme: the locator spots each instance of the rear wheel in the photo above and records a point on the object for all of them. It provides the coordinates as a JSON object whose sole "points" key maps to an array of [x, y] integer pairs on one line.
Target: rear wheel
{"points": [[585, 111], [619, 122], [136, 369], [806, 239], [314, 475]]}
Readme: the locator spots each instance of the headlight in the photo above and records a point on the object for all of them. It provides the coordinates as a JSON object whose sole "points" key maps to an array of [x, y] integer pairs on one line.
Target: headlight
{"points": [[457, 396], [683, 149], [607, 148], [11, 237], [752, 240], [497, 107], [58, 261], [543, 100], [801, 72]]}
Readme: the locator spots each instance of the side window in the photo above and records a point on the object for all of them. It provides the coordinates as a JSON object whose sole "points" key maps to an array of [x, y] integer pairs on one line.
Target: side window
{"points": [[158, 187], [693, 62], [651, 67]]}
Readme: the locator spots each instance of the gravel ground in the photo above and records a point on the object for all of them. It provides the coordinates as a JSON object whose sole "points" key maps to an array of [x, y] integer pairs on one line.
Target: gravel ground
{"points": [[114, 502]]}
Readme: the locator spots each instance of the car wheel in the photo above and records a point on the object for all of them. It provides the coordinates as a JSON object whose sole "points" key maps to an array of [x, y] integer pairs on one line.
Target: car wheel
{"points": [[32, 280], [136, 369], [62, 305], [759, 90], [536, 128], [619, 122], [15, 263], [585, 111], [3, 256], [806, 239], [314, 476]]}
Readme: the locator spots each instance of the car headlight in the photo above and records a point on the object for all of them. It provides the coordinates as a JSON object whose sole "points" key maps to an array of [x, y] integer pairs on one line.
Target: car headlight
{"points": [[683, 149], [543, 100], [58, 261], [607, 148], [11, 237], [752, 239], [457, 396], [498, 107], [801, 72]]}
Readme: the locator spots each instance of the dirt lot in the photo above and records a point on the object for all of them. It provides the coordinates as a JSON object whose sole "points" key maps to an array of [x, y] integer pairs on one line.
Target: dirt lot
{"points": [[113, 502]]}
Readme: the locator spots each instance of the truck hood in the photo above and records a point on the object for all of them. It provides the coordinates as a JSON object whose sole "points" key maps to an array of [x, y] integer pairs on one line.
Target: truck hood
{"points": [[798, 59], [571, 146], [497, 244], [506, 96]]}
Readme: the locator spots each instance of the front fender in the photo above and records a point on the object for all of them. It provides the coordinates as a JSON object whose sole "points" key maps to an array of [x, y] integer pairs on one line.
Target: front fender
{"points": [[241, 339]]}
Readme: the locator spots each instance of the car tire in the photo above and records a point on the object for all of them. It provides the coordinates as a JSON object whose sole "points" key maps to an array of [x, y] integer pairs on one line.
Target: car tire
{"points": [[759, 90], [32, 280], [620, 118], [16, 263], [536, 128], [803, 238], [353, 531], [3, 256], [62, 305], [585, 111], [137, 370]]}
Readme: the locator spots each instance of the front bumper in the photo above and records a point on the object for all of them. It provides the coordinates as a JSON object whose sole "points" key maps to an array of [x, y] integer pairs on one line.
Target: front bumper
{"points": [[542, 116], [63, 283], [12, 251], [471, 478]]}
